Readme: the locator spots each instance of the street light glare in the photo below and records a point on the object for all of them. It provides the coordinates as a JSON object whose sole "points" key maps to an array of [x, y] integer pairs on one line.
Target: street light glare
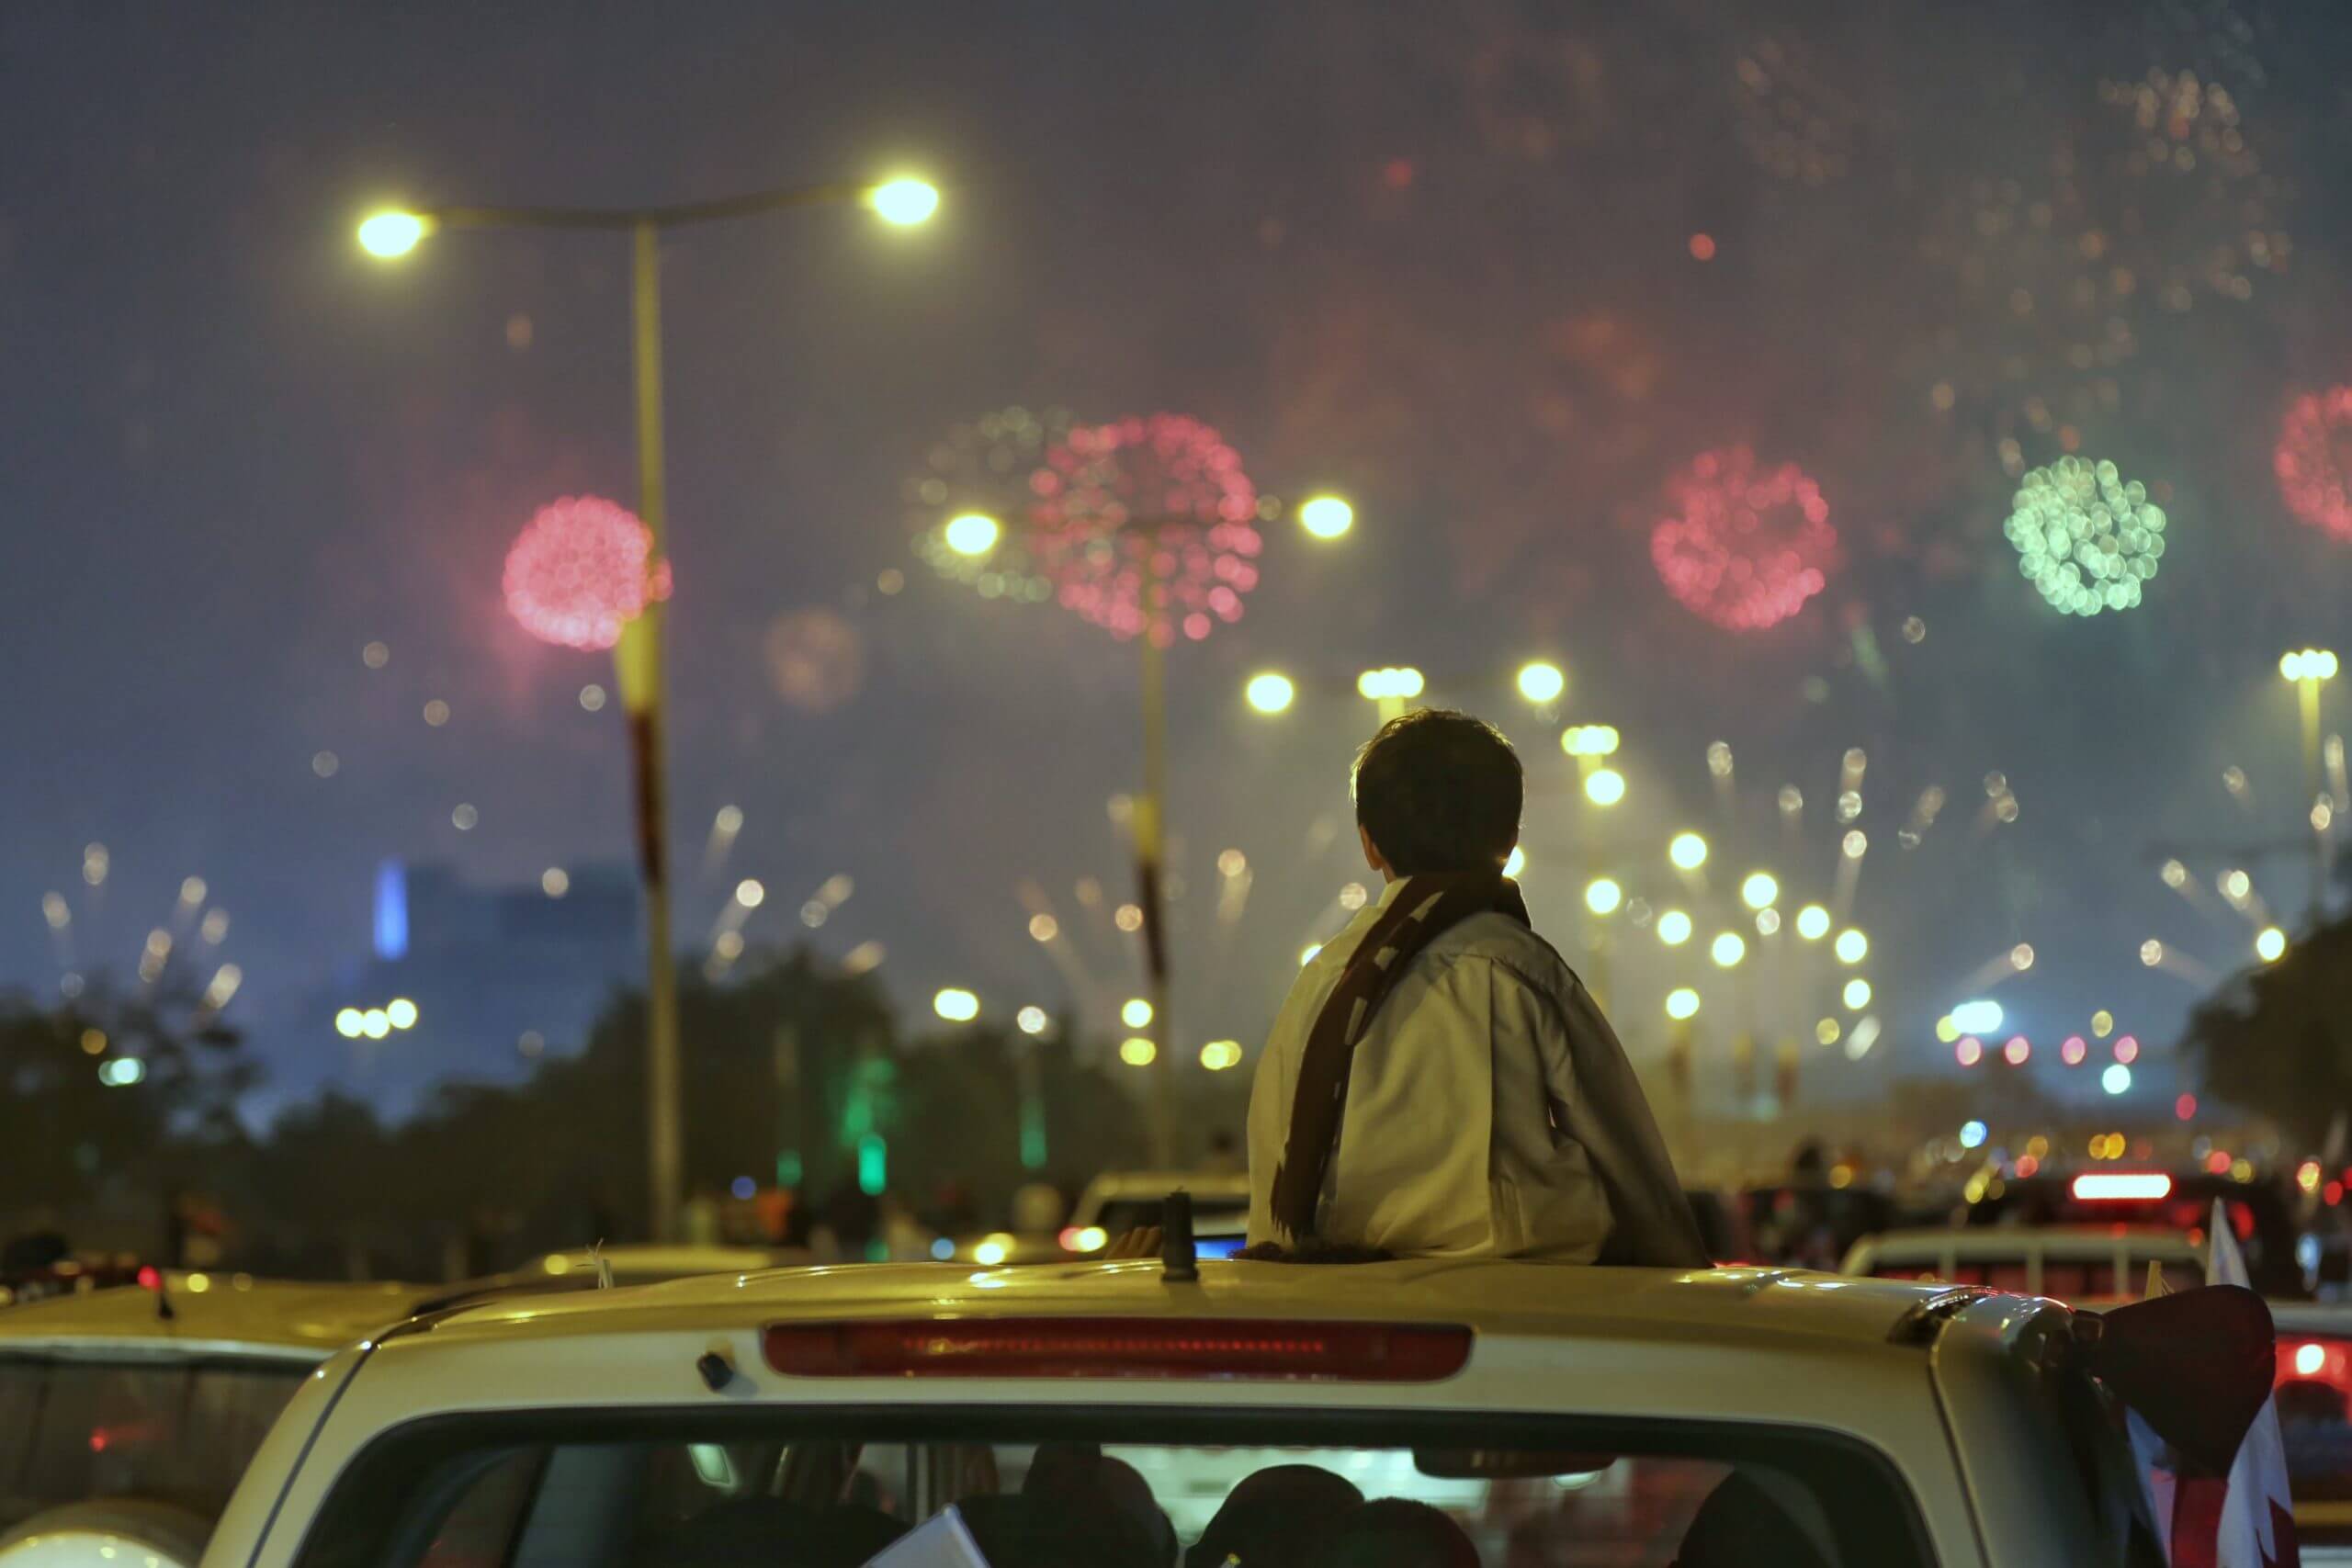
{"points": [[1674, 928], [1852, 945], [402, 1012], [1326, 516], [1687, 851], [905, 202], [957, 1004], [1681, 1002], [1813, 922], [1604, 787], [973, 534], [1728, 950], [1541, 681], [2310, 664], [1760, 890], [1269, 693], [2271, 945], [1135, 1013], [392, 233], [1602, 896]]}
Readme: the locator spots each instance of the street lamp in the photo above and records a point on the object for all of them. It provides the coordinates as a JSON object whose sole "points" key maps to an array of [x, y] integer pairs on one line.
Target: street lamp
{"points": [[1541, 681], [1326, 516], [1687, 851], [972, 535], [1391, 688], [1270, 692], [396, 232], [1602, 896], [1604, 787], [1760, 891], [2310, 669]]}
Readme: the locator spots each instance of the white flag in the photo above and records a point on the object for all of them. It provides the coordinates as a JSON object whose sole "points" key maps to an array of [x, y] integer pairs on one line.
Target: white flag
{"points": [[943, 1540], [2258, 1514]]}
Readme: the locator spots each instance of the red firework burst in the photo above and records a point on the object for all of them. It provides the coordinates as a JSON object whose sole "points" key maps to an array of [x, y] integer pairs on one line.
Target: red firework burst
{"points": [[577, 573], [1158, 500], [2313, 460], [1747, 545]]}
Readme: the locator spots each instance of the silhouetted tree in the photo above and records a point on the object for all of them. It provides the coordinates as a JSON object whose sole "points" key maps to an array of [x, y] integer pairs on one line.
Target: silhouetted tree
{"points": [[2278, 1039]]}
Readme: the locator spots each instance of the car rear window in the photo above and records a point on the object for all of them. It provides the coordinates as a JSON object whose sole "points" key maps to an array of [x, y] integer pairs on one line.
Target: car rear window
{"points": [[1150, 1488], [176, 1432]]}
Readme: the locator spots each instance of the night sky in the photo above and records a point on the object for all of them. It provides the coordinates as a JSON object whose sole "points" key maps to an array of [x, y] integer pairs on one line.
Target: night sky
{"points": [[1445, 260]]}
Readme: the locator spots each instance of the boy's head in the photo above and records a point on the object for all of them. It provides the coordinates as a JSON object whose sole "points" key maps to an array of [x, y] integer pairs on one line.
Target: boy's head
{"points": [[1439, 791]]}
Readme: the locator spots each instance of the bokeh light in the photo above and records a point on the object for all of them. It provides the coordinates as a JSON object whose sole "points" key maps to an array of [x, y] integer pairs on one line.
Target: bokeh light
{"points": [[1851, 946], [1031, 1019], [1746, 547], [1604, 787], [971, 533], [1138, 1051], [1687, 851], [581, 570], [1602, 896], [1161, 499], [1326, 516], [1760, 890], [1269, 693], [1541, 681], [1681, 1002], [1813, 922], [2313, 460], [1674, 928], [2084, 537], [903, 201], [1857, 994], [981, 469], [955, 1005], [1728, 949], [1969, 1050], [1135, 1013], [2270, 945]]}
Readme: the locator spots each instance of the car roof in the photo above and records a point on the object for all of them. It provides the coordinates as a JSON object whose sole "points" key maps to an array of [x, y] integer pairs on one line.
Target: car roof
{"points": [[212, 1314], [2016, 1241], [1523, 1299]]}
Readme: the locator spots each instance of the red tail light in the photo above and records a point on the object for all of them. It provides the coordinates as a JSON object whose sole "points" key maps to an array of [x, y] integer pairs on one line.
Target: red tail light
{"points": [[2122, 1186], [1110, 1348]]}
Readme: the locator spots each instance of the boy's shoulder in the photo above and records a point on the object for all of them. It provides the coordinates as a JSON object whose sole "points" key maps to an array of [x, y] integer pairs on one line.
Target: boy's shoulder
{"points": [[1502, 941]]}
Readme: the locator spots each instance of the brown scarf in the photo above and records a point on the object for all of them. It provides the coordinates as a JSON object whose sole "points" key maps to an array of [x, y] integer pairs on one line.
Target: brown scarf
{"points": [[1424, 907]]}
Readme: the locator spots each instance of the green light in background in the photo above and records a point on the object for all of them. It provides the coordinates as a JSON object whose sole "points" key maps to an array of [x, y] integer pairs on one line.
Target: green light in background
{"points": [[788, 1169], [1033, 1134], [873, 1165]]}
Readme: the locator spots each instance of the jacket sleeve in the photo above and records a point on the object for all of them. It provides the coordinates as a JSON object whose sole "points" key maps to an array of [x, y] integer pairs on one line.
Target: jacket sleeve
{"points": [[1267, 1127], [1597, 1103]]}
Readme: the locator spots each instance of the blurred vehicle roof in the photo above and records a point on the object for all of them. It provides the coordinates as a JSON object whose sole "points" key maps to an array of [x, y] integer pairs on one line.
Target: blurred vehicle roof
{"points": [[211, 1314]]}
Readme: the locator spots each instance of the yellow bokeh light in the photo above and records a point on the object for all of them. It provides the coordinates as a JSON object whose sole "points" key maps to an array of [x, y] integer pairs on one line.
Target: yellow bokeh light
{"points": [[1135, 1013], [1589, 740], [955, 1005], [1093, 1238], [1138, 1051], [905, 202], [401, 1012], [1389, 682], [1270, 692], [1826, 1031], [392, 233], [2271, 945], [1604, 787], [1760, 890], [1813, 922], [1674, 928], [1326, 516], [1947, 1029], [1687, 851], [2102, 1022], [1852, 946], [1602, 896], [347, 1023], [990, 1252], [1858, 994], [375, 1023], [1031, 1019], [971, 533], [1541, 681], [1681, 1002], [1727, 948], [1219, 1054]]}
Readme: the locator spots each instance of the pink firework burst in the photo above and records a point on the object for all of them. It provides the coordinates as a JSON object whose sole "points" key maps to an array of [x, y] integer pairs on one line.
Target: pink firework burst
{"points": [[1148, 523], [1747, 545], [577, 573], [2313, 460]]}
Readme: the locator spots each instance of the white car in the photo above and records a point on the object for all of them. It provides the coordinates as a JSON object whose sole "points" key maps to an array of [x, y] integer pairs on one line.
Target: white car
{"points": [[2074, 1263], [1118, 1202], [1104, 1415]]}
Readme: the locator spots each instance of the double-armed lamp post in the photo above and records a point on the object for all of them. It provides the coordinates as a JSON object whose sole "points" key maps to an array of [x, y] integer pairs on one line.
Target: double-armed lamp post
{"points": [[394, 234]]}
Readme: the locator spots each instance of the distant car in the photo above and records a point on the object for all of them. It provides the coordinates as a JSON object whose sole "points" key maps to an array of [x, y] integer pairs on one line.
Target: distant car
{"points": [[2074, 1263], [1811, 1224], [2173, 1201], [2313, 1391], [73, 1274], [1119, 1201], [629, 1264], [989, 1248]]}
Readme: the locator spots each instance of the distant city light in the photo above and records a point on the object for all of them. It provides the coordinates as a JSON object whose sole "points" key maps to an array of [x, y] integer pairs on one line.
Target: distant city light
{"points": [[1813, 922], [2270, 946], [464, 818], [1768, 922], [325, 764], [592, 697], [1852, 946], [903, 201], [1270, 692], [1826, 1031], [1681, 1002], [2117, 1080], [2185, 1108], [1138, 1051], [555, 882], [1760, 890], [1727, 948], [1031, 1019], [121, 1072], [1128, 918], [1687, 851], [749, 892], [1326, 516], [1135, 1013], [1044, 928], [1541, 682], [1972, 1135], [1589, 740], [955, 1005], [1857, 994], [1977, 1017], [1219, 1055], [1674, 928], [376, 655], [1602, 896], [436, 713], [972, 535], [392, 233], [1604, 787], [94, 1042]]}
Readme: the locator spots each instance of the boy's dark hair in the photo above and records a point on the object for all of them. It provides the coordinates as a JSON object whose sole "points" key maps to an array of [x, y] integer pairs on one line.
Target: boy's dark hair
{"points": [[1440, 791]]}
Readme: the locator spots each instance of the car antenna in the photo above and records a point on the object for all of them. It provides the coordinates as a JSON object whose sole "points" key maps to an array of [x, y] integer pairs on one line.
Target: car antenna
{"points": [[1180, 1261], [153, 1279], [603, 1265]]}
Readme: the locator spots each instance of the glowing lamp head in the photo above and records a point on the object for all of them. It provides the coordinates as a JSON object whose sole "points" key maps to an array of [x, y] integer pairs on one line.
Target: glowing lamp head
{"points": [[955, 1005], [1602, 896], [1681, 1002], [1813, 922], [1674, 928], [1858, 995], [1852, 946], [1135, 1013], [1541, 682], [1687, 851], [2271, 945], [1326, 516], [1760, 890], [1727, 950], [402, 1012], [1604, 787], [1138, 1051], [904, 202], [1270, 692], [392, 233], [972, 535]]}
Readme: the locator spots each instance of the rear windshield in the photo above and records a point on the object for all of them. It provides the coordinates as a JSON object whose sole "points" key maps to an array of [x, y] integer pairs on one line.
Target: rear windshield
{"points": [[178, 1433], [1083, 1490]]}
